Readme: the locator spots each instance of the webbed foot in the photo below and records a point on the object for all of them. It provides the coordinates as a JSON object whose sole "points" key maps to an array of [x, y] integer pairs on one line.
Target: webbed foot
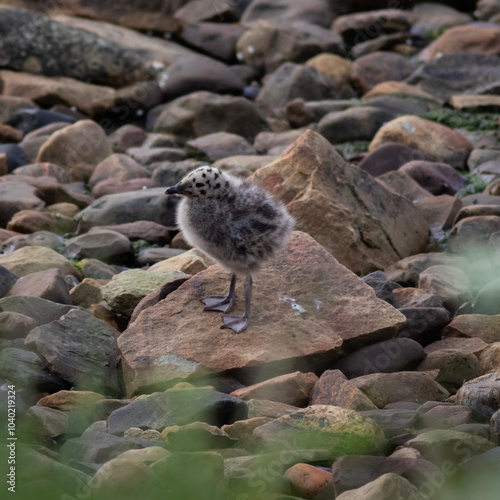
{"points": [[222, 303], [235, 323]]}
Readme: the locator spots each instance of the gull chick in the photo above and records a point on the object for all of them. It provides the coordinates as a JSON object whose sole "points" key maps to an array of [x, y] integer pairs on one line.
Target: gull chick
{"points": [[237, 224]]}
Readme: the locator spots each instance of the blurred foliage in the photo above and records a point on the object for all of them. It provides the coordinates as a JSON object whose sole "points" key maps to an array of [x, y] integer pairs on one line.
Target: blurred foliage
{"points": [[475, 184], [463, 119]]}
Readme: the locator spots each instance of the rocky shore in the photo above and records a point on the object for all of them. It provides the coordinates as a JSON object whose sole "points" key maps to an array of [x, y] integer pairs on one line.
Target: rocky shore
{"points": [[371, 366]]}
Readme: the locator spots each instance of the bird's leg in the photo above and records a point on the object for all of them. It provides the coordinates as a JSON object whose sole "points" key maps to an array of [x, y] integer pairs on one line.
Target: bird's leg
{"points": [[222, 303], [239, 323]]}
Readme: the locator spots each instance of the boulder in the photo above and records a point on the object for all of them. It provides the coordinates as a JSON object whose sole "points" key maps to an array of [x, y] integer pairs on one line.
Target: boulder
{"points": [[385, 388], [342, 211], [445, 144], [190, 262], [16, 196], [32, 259], [7, 280], [14, 325], [117, 167], [36, 221], [337, 430], [220, 145], [79, 148], [481, 395], [80, 349], [87, 98], [310, 481], [470, 236], [154, 354], [482, 326], [111, 186], [437, 178]]}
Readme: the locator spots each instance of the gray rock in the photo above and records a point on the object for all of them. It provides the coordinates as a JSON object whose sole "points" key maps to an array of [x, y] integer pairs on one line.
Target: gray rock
{"points": [[148, 156], [38, 238], [119, 167], [147, 204], [81, 349], [481, 395], [353, 124], [17, 196], [382, 285], [202, 113], [93, 59], [443, 415], [42, 311], [7, 280], [101, 244], [46, 423], [94, 268], [424, 324], [291, 81], [177, 407], [393, 422], [170, 173], [14, 325], [220, 145], [150, 256]]}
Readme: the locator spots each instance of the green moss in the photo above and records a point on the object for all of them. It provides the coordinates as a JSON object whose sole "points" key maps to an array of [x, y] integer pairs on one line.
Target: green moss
{"points": [[141, 245], [78, 264], [475, 185], [463, 119]]}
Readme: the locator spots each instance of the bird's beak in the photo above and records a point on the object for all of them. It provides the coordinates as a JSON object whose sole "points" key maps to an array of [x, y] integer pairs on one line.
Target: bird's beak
{"points": [[177, 189]]}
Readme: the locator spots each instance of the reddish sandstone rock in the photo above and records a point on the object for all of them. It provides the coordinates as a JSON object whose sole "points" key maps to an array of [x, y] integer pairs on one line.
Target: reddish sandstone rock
{"points": [[483, 326], [339, 205], [325, 307], [310, 481]]}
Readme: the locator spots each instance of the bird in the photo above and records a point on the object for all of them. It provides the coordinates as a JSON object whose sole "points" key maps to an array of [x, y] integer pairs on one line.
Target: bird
{"points": [[236, 223]]}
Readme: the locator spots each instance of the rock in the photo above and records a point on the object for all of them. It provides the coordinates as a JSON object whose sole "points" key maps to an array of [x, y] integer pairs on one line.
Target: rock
{"points": [[15, 325], [340, 431], [216, 39], [389, 356], [195, 11], [292, 389], [46, 423], [220, 145], [28, 120], [449, 282], [170, 173], [260, 408], [48, 284], [7, 280], [424, 324], [125, 137], [475, 103], [9, 106], [26, 370], [445, 144], [483, 40], [462, 344], [439, 211], [369, 244], [80, 349], [243, 165], [445, 444], [111, 186], [93, 268], [482, 326], [184, 356], [142, 230], [450, 75], [481, 395], [266, 142], [33, 141], [382, 286], [242, 429], [177, 407], [291, 81], [454, 367], [336, 67], [265, 46], [393, 422], [443, 415], [414, 297], [32, 259], [128, 288], [202, 113], [486, 301], [159, 293], [495, 427], [117, 167], [32, 221], [79, 148], [334, 389], [86, 293], [437, 178], [384, 388], [149, 156], [89, 99], [389, 157], [401, 105], [353, 124], [400, 88], [190, 262], [401, 183], [101, 244], [371, 69], [68, 401], [123, 208], [15, 156], [16, 196], [429, 18], [196, 436], [391, 484], [470, 236], [40, 310], [195, 72], [100, 61], [310, 481], [407, 271], [316, 12]]}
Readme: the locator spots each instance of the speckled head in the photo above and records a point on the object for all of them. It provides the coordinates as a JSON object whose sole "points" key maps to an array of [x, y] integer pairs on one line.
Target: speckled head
{"points": [[205, 182]]}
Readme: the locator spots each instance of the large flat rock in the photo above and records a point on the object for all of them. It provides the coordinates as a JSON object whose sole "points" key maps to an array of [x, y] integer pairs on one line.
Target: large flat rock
{"points": [[363, 224], [306, 308]]}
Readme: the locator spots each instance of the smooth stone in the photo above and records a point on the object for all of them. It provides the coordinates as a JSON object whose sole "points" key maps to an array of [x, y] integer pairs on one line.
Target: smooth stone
{"points": [[424, 324], [189, 262], [462, 344], [15, 325], [482, 326], [401, 183], [117, 167], [310, 481], [481, 395], [220, 145], [46, 423], [393, 422], [444, 416], [470, 236], [7, 280], [16, 196]]}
